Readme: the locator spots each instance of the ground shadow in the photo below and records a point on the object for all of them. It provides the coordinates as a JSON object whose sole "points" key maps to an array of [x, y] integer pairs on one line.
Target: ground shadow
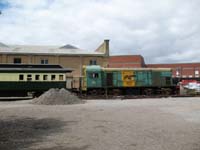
{"points": [[16, 134]]}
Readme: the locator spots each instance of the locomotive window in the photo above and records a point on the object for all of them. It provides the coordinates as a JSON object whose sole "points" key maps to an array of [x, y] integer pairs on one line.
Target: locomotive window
{"points": [[168, 80], [37, 77], [29, 77], [53, 77], [21, 77], [94, 75], [61, 77], [45, 77]]}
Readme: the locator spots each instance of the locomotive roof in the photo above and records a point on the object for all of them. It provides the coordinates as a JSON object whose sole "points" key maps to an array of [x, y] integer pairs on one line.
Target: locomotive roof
{"points": [[33, 68], [154, 69], [97, 67]]}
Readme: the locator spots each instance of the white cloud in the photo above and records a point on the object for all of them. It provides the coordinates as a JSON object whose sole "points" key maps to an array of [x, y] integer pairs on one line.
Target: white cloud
{"points": [[158, 30]]}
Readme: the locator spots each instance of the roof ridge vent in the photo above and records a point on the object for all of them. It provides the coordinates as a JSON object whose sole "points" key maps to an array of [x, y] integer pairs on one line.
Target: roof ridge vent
{"points": [[68, 46]]}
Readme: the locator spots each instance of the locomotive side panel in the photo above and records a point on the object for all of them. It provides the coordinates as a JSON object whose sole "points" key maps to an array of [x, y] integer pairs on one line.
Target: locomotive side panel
{"points": [[143, 78]]}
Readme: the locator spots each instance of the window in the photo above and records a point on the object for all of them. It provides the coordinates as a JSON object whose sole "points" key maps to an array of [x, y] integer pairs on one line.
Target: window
{"points": [[29, 77], [21, 77], [45, 77], [61, 77], [94, 75], [93, 62], [44, 61], [53, 77], [17, 60], [37, 77], [168, 80]]}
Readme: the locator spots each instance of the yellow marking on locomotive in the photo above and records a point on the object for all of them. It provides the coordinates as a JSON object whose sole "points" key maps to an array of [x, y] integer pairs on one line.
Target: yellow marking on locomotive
{"points": [[128, 78]]}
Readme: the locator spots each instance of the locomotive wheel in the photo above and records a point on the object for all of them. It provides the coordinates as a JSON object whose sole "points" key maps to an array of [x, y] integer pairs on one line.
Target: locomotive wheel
{"points": [[148, 91], [166, 91], [116, 92], [93, 92]]}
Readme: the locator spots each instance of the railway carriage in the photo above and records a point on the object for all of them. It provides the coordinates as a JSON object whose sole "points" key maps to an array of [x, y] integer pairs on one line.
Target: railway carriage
{"points": [[21, 79], [127, 81]]}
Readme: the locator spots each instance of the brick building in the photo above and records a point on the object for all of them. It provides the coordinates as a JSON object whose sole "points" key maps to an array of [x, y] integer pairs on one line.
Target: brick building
{"points": [[181, 70], [126, 61]]}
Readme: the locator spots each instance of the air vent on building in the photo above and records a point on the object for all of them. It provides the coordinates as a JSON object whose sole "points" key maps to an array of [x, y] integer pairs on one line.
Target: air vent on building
{"points": [[68, 46]]}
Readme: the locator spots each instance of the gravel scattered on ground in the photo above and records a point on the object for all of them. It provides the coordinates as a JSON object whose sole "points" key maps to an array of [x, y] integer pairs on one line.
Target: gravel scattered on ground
{"points": [[142, 124], [57, 97]]}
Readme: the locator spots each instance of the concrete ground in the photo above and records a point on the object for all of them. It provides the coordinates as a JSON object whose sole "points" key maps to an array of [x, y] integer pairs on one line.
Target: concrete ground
{"points": [[143, 124]]}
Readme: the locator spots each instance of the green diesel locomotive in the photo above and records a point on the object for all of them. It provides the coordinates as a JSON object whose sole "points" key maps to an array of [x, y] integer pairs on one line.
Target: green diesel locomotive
{"points": [[127, 81]]}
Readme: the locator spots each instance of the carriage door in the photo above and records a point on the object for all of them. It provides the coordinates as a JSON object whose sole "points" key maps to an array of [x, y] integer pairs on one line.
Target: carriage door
{"points": [[109, 79]]}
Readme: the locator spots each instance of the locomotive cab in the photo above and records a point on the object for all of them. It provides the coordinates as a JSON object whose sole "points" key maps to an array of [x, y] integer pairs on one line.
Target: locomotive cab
{"points": [[94, 77]]}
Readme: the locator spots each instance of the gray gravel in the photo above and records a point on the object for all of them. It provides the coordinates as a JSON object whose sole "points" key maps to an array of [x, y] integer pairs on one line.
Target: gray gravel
{"points": [[145, 124], [57, 97]]}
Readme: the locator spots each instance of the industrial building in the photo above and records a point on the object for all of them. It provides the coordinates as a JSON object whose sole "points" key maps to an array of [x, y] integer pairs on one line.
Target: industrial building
{"points": [[67, 55]]}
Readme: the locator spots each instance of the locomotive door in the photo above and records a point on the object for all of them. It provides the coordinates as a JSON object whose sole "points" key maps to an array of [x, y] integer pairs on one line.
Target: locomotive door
{"points": [[109, 79]]}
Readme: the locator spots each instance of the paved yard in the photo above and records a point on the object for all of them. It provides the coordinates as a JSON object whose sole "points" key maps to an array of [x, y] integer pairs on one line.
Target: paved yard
{"points": [[144, 124]]}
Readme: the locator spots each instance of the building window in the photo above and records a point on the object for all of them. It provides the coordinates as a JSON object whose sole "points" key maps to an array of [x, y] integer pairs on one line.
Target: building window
{"points": [[29, 77], [37, 77], [177, 73], [93, 62], [53, 77], [21, 77], [61, 77], [45, 77], [17, 60], [44, 61]]}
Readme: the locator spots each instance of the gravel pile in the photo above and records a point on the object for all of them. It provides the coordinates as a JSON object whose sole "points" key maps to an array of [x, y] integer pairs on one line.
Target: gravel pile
{"points": [[57, 97]]}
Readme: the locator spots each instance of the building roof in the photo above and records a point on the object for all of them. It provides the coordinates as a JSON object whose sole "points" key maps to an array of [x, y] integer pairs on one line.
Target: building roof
{"points": [[32, 68], [44, 50], [125, 61]]}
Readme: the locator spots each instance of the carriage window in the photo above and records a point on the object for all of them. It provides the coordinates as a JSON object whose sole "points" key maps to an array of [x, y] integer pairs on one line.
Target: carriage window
{"points": [[53, 77], [37, 77], [21, 77], [94, 75], [29, 77], [61, 77], [45, 77], [17, 60]]}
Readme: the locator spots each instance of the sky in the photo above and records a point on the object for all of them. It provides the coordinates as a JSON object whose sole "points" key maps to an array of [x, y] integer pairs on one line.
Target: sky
{"points": [[162, 31]]}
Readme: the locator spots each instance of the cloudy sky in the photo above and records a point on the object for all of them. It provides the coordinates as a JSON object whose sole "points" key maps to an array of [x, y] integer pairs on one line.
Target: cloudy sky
{"points": [[162, 31]]}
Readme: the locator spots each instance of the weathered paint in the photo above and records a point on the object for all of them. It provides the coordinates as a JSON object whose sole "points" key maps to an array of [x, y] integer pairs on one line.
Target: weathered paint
{"points": [[128, 78]]}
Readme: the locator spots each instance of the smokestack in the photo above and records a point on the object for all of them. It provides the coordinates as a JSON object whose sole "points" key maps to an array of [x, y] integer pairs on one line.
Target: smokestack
{"points": [[106, 44]]}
